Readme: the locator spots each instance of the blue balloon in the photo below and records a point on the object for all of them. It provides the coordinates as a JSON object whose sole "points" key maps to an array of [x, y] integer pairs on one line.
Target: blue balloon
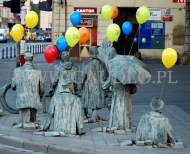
{"points": [[75, 18], [135, 40], [5, 38], [61, 43], [127, 28]]}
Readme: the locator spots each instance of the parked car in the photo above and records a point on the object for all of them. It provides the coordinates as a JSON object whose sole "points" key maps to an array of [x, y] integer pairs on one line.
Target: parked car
{"points": [[40, 38], [2, 34]]}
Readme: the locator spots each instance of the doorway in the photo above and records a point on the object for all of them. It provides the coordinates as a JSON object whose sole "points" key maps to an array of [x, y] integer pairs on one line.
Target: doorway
{"points": [[125, 45]]}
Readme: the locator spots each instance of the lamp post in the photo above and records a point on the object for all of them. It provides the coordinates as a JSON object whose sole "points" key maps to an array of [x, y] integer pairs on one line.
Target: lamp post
{"points": [[23, 41]]}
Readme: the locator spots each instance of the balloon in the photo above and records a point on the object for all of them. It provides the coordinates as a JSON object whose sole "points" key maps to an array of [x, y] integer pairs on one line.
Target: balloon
{"points": [[72, 36], [142, 14], [169, 57], [115, 12], [84, 34], [17, 32], [75, 18], [7, 34], [50, 53], [113, 32], [61, 43], [31, 19], [143, 40], [107, 12], [4, 38], [135, 40], [127, 28], [32, 34]]}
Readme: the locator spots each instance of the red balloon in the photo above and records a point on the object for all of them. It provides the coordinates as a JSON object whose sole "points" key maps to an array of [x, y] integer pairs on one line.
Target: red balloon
{"points": [[50, 53]]}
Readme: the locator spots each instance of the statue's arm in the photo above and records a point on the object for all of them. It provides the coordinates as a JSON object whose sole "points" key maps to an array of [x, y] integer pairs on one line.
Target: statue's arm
{"points": [[13, 83], [55, 79], [170, 131], [49, 116]]}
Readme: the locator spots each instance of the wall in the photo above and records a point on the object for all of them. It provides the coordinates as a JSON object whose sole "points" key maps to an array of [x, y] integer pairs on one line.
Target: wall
{"points": [[179, 18], [45, 19]]}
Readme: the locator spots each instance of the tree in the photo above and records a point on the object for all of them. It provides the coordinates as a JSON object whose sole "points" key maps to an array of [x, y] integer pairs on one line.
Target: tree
{"points": [[35, 7]]}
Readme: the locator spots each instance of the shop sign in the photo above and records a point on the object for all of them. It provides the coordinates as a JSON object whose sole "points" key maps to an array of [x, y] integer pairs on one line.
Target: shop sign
{"points": [[86, 22], [167, 16], [94, 34], [179, 1], [155, 14], [86, 10]]}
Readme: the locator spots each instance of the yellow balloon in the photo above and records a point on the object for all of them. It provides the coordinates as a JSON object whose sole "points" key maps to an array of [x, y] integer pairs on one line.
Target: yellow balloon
{"points": [[169, 57], [31, 19], [72, 36], [142, 14], [144, 40], [113, 32], [107, 12], [17, 32]]}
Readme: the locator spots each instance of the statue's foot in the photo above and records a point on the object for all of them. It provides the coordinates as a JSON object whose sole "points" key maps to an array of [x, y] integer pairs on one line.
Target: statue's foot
{"points": [[1, 111], [91, 120], [101, 119], [15, 125]]}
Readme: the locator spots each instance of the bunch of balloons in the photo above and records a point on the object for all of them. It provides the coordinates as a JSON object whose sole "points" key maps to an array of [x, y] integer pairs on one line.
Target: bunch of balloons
{"points": [[169, 57], [109, 12]]}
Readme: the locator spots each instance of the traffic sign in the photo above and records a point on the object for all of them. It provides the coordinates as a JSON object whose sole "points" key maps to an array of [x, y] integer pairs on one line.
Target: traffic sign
{"points": [[17, 16]]}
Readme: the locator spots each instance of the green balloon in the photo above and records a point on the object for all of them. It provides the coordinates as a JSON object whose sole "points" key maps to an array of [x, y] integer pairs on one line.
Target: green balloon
{"points": [[142, 14], [113, 32], [107, 12], [143, 40], [72, 36]]}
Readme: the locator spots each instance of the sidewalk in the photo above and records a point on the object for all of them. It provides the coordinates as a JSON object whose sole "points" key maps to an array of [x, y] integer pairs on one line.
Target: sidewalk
{"points": [[176, 97]]}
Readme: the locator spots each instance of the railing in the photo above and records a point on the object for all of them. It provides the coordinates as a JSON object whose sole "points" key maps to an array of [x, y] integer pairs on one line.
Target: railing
{"points": [[10, 52]]}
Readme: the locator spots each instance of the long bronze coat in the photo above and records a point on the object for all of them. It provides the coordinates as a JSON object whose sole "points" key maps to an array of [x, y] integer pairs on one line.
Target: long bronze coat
{"points": [[28, 83]]}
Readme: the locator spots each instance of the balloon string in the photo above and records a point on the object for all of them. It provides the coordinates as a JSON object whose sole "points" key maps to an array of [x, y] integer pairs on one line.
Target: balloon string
{"points": [[125, 44], [133, 41], [162, 87]]}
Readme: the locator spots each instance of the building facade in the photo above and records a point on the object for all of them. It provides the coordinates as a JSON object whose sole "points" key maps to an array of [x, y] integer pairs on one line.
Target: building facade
{"points": [[7, 19], [166, 27]]}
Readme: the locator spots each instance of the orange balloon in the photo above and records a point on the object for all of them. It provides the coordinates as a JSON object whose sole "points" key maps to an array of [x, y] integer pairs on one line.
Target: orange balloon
{"points": [[84, 34], [115, 12], [7, 34]]}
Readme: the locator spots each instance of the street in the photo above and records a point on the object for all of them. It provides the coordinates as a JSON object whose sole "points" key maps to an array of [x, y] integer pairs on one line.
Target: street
{"points": [[4, 149], [8, 44]]}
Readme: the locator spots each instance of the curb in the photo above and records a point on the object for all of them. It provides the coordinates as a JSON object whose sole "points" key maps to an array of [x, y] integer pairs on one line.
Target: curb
{"points": [[41, 147]]}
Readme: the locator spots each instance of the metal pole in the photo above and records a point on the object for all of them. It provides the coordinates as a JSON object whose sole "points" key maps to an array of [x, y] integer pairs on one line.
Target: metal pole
{"points": [[23, 41]]}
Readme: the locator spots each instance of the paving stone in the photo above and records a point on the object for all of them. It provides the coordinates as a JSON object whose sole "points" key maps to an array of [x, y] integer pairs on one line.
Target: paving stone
{"points": [[51, 134], [111, 130], [128, 130], [30, 126], [178, 145], [126, 143], [35, 146], [148, 142], [140, 143], [119, 132], [62, 134], [12, 141], [39, 133], [97, 129], [162, 145]]}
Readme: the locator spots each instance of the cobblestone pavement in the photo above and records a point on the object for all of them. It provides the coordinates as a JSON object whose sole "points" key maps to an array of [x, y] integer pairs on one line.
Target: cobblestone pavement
{"points": [[177, 108]]}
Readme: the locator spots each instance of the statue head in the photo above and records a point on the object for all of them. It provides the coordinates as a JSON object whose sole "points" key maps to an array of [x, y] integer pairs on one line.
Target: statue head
{"points": [[111, 53], [65, 56], [156, 104], [28, 57], [93, 52]]}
